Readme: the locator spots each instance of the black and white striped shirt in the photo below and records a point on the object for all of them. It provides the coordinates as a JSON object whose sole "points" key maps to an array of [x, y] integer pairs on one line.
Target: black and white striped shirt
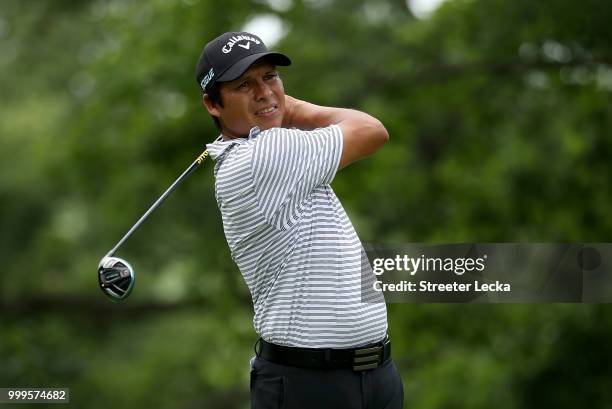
{"points": [[293, 242]]}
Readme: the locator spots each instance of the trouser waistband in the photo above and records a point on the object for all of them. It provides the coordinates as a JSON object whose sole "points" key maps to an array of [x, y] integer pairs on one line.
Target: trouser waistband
{"points": [[358, 359]]}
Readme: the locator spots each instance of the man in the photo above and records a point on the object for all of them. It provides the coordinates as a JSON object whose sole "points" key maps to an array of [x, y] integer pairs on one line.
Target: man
{"points": [[323, 330]]}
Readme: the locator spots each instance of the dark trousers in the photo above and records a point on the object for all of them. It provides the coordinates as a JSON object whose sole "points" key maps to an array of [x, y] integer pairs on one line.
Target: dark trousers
{"points": [[279, 386]]}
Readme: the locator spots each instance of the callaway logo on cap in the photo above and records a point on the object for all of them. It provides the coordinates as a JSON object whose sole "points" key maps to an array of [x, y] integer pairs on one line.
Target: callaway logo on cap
{"points": [[243, 41], [228, 56]]}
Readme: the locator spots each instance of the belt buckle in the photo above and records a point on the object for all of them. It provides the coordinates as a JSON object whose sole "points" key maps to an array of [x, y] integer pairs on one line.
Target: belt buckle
{"points": [[367, 358]]}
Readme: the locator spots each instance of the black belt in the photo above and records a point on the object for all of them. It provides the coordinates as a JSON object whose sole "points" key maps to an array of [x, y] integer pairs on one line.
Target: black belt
{"points": [[358, 359]]}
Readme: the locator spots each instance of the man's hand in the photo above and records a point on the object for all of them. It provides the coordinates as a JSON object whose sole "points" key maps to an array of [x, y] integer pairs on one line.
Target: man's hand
{"points": [[362, 134], [291, 105]]}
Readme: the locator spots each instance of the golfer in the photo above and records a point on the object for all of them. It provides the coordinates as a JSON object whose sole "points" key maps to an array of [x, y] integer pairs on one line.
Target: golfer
{"points": [[323, 330]]}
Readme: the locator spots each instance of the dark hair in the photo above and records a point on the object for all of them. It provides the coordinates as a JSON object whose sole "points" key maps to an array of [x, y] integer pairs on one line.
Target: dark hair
{"points": [[214, 95]]}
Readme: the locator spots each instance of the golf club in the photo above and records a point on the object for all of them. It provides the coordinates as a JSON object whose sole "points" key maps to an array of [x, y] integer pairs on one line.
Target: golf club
{"points": [[115, 275]]}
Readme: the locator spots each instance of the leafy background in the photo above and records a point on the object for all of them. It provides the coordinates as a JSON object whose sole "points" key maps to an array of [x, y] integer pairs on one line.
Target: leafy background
{"points": [[499, 115]]}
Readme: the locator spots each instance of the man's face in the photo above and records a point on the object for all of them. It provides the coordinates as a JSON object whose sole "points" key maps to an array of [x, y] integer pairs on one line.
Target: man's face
{"points": [[257, 98]]}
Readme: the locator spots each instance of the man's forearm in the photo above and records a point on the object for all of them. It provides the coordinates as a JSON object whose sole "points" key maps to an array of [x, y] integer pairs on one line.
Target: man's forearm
{"points": [[306, 116], [362, 133]]}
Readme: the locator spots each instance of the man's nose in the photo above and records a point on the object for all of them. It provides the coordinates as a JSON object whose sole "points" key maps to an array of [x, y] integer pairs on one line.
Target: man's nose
{"points": [[262, 90]]}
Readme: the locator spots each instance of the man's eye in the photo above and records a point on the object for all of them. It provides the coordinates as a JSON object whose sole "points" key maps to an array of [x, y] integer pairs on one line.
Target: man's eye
{"points": [[243, 84], [271, 76]]}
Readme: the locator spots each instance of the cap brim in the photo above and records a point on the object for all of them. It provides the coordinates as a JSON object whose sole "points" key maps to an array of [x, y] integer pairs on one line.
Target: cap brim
{"points": [[241, 66]]}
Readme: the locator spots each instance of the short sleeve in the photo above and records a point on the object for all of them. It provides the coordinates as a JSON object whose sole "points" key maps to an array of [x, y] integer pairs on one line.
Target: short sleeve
{"points": [[288, 165]]}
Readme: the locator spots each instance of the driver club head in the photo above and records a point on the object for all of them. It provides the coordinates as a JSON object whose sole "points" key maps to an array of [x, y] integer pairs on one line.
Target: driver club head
{"points": [[116, 278]]}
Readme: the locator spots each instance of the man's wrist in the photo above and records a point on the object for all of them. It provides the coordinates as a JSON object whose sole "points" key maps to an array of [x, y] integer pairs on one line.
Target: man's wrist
{"points": [[306, 116], [291, 106]]}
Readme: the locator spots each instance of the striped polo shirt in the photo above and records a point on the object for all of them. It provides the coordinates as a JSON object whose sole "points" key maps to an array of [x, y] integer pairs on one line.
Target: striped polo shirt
{"points": [[298, 252]]}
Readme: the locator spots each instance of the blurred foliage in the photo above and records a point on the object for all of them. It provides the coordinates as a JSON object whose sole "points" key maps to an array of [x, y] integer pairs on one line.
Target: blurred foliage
{"points": [[499, 114]]}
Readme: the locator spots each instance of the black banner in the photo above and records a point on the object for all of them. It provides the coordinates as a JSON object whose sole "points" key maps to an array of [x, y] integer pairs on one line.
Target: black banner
{"points": [[488, 273]]}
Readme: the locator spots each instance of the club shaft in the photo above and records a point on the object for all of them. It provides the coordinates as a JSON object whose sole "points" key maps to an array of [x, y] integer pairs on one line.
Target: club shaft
{"points": [[199, 160]]}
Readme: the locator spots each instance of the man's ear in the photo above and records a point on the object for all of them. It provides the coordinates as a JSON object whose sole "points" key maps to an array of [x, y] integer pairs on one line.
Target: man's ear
{"points": [[210, 106]]}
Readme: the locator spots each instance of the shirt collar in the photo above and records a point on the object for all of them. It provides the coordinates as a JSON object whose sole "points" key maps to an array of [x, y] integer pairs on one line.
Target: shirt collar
{"points": [[220, 147]]}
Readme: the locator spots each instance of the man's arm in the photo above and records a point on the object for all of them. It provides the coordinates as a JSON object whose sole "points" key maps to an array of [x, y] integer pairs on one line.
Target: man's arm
{"points": [[362, 134]]}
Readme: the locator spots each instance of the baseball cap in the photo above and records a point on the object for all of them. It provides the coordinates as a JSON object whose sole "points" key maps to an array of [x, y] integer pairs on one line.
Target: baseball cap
{"points": [[228, 56]]}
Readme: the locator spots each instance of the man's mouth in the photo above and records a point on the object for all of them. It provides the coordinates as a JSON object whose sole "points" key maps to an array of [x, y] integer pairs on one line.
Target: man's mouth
{"points": [[268, 111]]}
